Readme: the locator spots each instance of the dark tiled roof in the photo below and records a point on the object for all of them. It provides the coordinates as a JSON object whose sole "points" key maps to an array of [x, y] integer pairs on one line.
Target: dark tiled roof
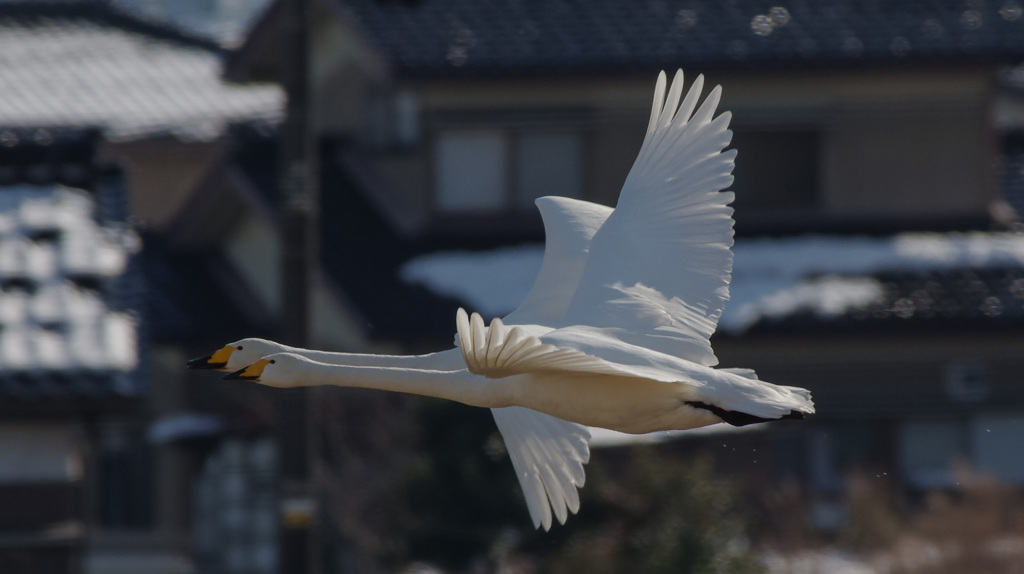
{"points": [[67, 291], [70, 384], [48, 306], [502, 36], [960, 298], [46, 155]]}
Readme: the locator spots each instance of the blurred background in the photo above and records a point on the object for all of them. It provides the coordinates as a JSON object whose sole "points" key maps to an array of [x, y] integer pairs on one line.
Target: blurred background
{"points": [[344, 174]]}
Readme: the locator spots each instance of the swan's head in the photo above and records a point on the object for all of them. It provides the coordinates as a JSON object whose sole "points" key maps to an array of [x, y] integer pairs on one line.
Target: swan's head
{"points": [[236, 355], [276, 370]]}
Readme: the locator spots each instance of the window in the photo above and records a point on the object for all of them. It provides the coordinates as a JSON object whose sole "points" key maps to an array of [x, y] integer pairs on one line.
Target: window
{"points": [[967, 381], [497, 170], [842, 448], [776, 171], [124, 477], [471, 171], [394, 120], [995, 439], [40, 478], [929, 449], [236, 508], [39, 453]]}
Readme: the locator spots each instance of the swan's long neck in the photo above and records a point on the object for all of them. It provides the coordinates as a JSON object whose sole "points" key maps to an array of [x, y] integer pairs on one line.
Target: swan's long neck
{"points": [[460, 386], [449, 360]]}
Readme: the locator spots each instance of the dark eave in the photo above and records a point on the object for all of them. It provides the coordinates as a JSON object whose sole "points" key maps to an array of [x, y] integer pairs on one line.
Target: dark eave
{"points": [[469, 38]]}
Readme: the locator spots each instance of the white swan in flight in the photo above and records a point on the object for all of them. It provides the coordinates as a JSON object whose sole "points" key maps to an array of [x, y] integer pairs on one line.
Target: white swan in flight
{"points": [[614, 333]]}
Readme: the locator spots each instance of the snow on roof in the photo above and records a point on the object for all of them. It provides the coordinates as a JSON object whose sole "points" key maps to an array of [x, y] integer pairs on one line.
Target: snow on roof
{"points": [[772, 278], [493, 283], [73, 71], [183, 425], [52, 254]]}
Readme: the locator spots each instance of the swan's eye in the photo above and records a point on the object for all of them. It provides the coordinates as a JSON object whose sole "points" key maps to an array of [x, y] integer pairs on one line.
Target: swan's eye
{"points": [[272, 361], [239, 347]]}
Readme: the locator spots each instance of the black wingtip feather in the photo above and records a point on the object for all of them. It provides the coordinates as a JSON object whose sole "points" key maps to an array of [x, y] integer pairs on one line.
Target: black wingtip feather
{"points": [[739, 419]]}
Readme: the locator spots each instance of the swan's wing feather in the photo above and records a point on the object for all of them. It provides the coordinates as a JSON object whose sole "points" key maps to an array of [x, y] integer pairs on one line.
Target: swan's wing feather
{"points": [[658, 270], [499, 351], [569, 224], [548, 455], [748, 373]]}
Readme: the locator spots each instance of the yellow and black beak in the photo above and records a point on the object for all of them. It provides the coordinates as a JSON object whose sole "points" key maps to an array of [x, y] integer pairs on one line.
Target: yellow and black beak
{"points": [[218, 360], [250, 373]]}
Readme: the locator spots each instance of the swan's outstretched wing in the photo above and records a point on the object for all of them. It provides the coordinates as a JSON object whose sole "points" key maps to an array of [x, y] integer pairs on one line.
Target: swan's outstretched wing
{"points": [[548, 455], [658, 270], [569, 224]]}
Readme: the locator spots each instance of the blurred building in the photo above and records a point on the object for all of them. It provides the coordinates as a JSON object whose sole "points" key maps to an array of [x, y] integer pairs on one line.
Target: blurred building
{"points": [[107, 122], [890, 130], [71, 367], [223, 21]]}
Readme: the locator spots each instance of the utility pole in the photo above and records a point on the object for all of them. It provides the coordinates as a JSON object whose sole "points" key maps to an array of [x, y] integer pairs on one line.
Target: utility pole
{"points": [[298, 423]]}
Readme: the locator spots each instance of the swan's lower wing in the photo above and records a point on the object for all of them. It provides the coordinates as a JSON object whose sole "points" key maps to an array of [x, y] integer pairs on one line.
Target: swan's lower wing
{"points": [[548, 455]]}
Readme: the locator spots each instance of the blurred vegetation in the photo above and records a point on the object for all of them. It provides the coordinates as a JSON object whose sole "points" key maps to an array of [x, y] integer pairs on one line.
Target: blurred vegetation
{"points": [[422, 485], [461, 496], [459, 507], [975, 526], [656, 513]]}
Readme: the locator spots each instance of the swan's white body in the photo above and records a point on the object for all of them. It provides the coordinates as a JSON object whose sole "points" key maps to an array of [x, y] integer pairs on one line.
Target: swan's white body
{"points": [[614, 333]]}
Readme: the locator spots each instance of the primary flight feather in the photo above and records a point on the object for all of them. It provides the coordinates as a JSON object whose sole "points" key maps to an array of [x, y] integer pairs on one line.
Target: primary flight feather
{"points": [[615, 332]]}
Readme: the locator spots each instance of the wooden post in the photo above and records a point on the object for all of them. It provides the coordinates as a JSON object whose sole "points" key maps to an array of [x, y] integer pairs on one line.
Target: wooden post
{"points": [[299, 544]]}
